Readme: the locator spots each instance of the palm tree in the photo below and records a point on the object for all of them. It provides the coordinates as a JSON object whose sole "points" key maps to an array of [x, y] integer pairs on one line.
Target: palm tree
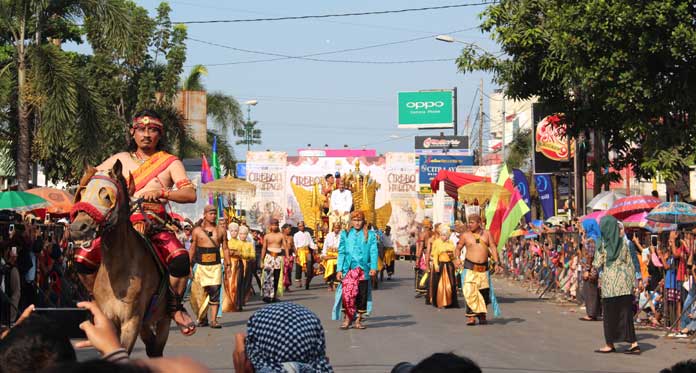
{"points": [[47, 89]]}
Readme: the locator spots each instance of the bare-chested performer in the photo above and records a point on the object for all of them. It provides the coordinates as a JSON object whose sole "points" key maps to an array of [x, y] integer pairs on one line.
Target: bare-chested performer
{"points": [[289, 261], [205, 251], [481, 256], [159, 177], [422, 262], [273, 245]]}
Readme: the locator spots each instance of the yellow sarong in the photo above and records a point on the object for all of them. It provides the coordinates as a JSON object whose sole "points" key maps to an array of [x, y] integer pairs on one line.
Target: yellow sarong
{"points": [[389, 256], [473, 282], [330, 264], [302, 254]]}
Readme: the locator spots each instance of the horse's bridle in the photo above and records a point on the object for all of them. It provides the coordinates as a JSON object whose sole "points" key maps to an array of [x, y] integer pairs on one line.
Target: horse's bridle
{"points": [[99, 217]]}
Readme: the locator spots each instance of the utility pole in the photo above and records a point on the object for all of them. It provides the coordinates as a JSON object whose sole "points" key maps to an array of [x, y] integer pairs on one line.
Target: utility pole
{"points": [[504, 124], [456, 119], [480, 134]]}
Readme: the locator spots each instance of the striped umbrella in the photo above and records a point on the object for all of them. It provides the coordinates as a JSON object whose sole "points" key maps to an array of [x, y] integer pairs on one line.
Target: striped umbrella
{"points": [[628, 206], [595, 215], [20, 201], [640, 220], [680, 213]]}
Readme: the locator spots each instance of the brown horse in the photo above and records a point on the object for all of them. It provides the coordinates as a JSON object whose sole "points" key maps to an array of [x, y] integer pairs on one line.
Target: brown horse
{"points": [[128, 276]]}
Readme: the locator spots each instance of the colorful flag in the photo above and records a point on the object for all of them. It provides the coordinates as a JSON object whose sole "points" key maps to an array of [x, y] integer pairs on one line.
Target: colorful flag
{"points": [[206, 174], [497, 207], [511, 218], [217, 173]]}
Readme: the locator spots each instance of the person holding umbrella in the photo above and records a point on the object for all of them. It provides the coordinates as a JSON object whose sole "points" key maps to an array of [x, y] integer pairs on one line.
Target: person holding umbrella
{"points": [[613, 260]]}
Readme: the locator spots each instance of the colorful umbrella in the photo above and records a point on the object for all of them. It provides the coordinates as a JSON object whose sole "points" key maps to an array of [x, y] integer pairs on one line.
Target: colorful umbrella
{"points": [[628, 206], [595, 215], [680, 213], [518, 232], [229, 185], [604, 200], [20, 201], [639, 221], [557, 220], [482, 190], [59, 201]]}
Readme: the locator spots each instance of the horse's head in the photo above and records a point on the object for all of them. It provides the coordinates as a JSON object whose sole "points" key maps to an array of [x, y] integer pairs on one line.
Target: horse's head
{"points": [[102, 201]]}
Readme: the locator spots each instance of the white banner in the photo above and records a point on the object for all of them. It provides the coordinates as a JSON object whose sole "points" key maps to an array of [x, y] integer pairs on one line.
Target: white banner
{"points": [[266, 170], [402, 186]]}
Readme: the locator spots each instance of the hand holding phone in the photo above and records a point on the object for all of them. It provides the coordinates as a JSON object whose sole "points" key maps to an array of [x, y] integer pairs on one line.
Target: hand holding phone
{"points": [[101, 333], [67, 319]]}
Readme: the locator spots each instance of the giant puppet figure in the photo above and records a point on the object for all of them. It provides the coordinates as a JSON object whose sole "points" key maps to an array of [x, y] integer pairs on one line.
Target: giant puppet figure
{"points": [[157, 177]]}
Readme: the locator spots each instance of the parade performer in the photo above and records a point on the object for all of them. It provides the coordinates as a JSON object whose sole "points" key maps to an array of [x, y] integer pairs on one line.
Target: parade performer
{"points": [[329, 255], [248, 254], [341, 205], [157, 177], [444, 283], [288, 260], [234, 279], [422, 264], [304, 251], [476, 280], [429, 284], [205, 252], [357, 263], [389, 255], [273, 245], [327, 186]]}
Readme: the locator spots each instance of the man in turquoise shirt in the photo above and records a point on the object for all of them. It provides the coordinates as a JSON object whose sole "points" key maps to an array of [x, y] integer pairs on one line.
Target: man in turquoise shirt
{"points": [[357, 262]]}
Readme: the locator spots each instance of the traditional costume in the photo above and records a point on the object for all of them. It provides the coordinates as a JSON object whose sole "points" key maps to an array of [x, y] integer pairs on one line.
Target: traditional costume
{"points": [[389, 255], [329, 254], [444, 283], [207, 277], [341, 203], [248, 254], [478, 289], [234, 283], [304, 247], [357, 256], [272, 274]]}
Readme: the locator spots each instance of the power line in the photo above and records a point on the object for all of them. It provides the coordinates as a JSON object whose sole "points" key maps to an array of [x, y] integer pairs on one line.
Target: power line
{"points": [[287, 18], [284, 56], [308, 56]]}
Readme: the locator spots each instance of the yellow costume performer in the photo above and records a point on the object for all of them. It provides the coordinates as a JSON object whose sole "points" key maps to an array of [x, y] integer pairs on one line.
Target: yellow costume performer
{"points": [[444, 282], [234, 286]]}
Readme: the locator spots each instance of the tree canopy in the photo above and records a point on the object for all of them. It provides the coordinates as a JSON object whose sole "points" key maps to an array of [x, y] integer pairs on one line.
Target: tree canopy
{"points": [[623, 68]]}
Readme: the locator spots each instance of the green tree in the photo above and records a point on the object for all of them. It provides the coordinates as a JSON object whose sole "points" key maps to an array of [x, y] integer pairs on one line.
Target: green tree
{"points": [[619, 69], [520, 150], [49, 98]]}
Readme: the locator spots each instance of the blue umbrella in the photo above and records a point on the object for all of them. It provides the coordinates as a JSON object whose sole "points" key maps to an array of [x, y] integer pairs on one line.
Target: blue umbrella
{"points": [[680, 213]]}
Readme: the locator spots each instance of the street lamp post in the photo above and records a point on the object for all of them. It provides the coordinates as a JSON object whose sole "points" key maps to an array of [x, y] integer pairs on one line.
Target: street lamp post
{"points": [[249, 126]]}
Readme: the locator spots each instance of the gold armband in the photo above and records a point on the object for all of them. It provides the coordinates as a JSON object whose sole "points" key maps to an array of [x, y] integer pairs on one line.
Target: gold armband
{"points": [[185, 183]]}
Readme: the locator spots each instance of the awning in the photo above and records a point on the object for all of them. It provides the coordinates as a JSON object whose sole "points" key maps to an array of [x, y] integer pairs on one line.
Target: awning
{"points": [[453, 180]]}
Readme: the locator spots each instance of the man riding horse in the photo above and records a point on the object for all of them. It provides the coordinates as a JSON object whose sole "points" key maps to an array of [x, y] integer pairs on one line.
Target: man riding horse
{"points": [[158, 177]]}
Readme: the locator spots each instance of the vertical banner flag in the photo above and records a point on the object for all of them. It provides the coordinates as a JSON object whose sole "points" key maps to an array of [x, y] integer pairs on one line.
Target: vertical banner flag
{"points": [[217, 173], [523, 187], [206, 176], [545, 191]]}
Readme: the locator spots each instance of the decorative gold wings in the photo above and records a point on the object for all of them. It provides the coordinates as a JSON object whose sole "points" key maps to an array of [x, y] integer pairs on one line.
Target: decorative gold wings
{"points": [[310, 202]]}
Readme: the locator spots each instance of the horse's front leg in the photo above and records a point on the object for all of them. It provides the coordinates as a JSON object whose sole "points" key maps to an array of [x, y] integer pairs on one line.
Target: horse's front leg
{"points": [[129, 332]]}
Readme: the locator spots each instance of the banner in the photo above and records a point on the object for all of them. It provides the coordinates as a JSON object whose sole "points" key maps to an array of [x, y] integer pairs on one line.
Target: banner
{"points": [[523, 186], [430, 165], [442, 143], [550, 143], [266, 170], [402, 188], [426, 109], [544, 188]]}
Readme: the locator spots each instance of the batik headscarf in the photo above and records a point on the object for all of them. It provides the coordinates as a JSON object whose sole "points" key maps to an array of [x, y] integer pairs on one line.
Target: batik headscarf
{"points": [[286, 337], [611, 238]]}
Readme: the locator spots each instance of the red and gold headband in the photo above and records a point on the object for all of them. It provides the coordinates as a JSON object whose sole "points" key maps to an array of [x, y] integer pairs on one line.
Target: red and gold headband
{"points": [[147, 120]]}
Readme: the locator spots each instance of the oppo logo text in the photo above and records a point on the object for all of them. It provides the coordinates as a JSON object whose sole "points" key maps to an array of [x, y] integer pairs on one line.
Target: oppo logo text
{"points": [[424, 104]]}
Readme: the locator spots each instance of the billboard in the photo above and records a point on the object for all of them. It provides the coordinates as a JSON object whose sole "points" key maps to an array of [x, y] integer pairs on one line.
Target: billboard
{"points": [[426, 110], [550, 143], [430, 165], [441, 143]]}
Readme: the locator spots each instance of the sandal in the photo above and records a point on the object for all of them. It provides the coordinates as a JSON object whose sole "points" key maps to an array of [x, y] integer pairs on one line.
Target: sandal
{"points": [[359, 326], [587, 318], [215, 325], [633, 351], [600, 351], [345, 325]]}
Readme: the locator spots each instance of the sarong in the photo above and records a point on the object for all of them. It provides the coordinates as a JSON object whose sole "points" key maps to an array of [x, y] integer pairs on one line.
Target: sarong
{"points": [[476, 292], [351, 291], [289, 261], [302, 255], [389, 259], [273, 279], [445, 293], [234, 287], [329, 264], [206, 282]]}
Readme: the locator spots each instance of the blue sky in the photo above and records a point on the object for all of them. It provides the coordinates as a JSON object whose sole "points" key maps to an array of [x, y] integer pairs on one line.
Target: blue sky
{"points": [[304, 102]]}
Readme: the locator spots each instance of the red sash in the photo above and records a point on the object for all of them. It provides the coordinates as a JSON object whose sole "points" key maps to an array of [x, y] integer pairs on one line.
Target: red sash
{"points": [[152, 167]]}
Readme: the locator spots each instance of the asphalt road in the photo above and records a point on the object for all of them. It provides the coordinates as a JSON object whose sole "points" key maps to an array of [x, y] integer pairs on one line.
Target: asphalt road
{"points": [[531, 336]]}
